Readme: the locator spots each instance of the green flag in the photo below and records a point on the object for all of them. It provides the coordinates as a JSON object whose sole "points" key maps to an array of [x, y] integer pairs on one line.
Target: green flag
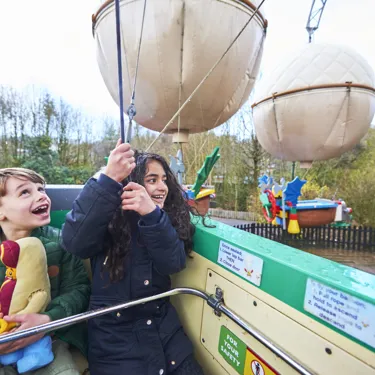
{"points": [[204, 172]]}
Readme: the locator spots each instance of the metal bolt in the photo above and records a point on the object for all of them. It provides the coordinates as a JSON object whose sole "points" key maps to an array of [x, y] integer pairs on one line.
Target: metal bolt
{"points": [[219, 293], [219, 296]]}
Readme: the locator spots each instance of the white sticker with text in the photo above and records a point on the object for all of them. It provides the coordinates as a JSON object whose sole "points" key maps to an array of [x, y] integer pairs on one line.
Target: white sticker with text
{"points": [[240, 262], [343, 311]]}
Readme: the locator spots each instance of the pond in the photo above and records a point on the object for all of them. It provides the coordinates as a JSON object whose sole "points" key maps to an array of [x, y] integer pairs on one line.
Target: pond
{"points": [[362, 260]]}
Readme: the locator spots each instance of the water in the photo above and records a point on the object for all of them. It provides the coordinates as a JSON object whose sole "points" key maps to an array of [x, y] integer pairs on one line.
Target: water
{"points": [[362, 260]]}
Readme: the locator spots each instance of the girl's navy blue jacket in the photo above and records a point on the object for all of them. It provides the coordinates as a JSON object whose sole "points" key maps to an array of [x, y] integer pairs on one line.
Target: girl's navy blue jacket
{"points": [[146, 339]]}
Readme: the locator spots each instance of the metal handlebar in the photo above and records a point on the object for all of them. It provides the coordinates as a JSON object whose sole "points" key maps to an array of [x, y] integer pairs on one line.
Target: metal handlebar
{"points": [[212, 301]]}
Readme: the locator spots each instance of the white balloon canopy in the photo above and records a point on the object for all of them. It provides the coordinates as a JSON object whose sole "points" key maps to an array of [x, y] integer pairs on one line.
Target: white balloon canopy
{"points": [[316, 105], [182, 40]]}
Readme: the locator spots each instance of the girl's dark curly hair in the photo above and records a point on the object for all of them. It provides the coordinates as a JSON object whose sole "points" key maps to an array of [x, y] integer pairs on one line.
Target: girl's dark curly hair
{"points": [[175, 206]]}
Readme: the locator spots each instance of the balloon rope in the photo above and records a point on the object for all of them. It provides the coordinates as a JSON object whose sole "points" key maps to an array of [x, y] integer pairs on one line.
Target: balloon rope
{"points": [[119, 69], [131, 110]]}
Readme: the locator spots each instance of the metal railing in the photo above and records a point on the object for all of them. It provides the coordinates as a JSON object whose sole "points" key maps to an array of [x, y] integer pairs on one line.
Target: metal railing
{"points": [[214, 302]]}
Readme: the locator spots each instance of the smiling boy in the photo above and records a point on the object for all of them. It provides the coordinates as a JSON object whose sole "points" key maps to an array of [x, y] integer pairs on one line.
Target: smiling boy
{"points": [[25, 212]]}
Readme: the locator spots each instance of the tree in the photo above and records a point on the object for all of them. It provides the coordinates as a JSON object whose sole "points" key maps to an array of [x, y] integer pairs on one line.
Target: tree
{"points": [[47, 134]]}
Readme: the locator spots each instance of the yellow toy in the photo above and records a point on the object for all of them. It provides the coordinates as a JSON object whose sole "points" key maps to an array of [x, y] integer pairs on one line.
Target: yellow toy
{"points": [[25, 290]]}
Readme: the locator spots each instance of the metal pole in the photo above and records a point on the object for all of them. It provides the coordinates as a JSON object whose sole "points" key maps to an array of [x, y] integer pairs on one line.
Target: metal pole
{"points": [[293, 170], [267, 343], [212, 301], [61, 323]]}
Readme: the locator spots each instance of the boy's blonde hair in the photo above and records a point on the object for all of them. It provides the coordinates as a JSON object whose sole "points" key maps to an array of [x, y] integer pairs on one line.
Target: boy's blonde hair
{"points": [[21, 173]]}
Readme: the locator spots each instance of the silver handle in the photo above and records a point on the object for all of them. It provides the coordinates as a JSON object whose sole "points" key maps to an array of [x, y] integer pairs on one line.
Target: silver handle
{"points": [[212, 301]]}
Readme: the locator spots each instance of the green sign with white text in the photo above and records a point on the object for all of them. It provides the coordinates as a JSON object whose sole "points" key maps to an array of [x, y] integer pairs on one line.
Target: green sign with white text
{"points": [[232, 349]]}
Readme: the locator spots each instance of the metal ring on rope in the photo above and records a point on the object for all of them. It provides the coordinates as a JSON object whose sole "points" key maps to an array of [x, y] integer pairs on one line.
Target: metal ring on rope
{"points": [[256, 11]]}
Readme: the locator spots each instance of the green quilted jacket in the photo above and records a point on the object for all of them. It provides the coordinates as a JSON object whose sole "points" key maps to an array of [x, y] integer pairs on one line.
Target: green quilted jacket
{"points": [[70, 287]]}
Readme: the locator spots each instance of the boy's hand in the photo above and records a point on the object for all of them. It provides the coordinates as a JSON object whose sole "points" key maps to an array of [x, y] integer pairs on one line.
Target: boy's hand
{"points": [[120, 162], [25, 321], [136, 198]]}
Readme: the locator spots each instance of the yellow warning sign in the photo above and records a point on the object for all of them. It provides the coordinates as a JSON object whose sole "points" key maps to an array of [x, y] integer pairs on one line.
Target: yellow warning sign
{"points": [[256, 366]]}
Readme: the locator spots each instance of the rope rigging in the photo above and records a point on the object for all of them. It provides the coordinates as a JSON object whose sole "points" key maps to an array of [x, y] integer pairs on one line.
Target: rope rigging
{"points": [[119, 69], [131, 111]]}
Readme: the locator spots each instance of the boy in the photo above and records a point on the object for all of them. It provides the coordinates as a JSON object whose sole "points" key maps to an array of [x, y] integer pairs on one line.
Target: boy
{"points": [[25, 212]]}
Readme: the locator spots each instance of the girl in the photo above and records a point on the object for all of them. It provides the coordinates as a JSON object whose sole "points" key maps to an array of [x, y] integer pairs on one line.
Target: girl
{"points": [[136, 237]]}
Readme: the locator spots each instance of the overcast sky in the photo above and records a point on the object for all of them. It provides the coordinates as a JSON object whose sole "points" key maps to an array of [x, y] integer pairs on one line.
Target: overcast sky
{"points": [[49, 42]]}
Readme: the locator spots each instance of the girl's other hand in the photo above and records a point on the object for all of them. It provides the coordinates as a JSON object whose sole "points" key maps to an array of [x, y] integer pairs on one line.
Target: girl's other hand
{"points": [[136, 198]]}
